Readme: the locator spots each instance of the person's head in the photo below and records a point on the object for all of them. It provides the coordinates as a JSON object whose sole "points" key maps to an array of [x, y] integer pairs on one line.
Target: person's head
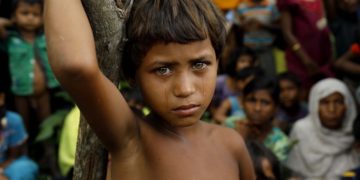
{"points": [[169, 21], [289, 89], [350, 6], [239, 59], [244, 76], [331, 105], [260, 99], [27, 14], [266, 165], [171, 54]]}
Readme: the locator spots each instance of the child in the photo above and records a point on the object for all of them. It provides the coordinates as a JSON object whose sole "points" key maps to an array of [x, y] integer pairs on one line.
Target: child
{"points": [[14, 164], [290, 107], [28, 63], [260, 19], [174, 64], [240, 58], [231, 109], [325, 143], [260, 99]]}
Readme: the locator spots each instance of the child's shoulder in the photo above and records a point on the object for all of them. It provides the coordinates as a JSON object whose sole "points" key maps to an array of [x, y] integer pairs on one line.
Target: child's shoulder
{"points": [[227, 136]]}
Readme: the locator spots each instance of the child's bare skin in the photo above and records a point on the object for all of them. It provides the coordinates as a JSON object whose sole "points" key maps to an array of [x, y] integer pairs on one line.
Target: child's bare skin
{"points": [[176, 80]]}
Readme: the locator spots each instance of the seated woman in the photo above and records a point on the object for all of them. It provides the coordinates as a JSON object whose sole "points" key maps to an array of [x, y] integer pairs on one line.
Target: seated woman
{"points": [[260, 100], [324, 148]]}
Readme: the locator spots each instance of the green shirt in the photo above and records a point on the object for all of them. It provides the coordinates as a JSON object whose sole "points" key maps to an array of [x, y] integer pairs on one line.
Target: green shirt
{"points": [[22, 57], [278, 143]]}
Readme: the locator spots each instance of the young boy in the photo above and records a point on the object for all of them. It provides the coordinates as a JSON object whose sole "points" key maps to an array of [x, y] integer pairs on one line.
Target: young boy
{"points": [[171, 54], [28, 62]]}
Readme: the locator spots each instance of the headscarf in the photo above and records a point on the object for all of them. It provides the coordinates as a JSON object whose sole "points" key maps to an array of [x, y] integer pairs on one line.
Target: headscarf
{"points": [[322, 153]]}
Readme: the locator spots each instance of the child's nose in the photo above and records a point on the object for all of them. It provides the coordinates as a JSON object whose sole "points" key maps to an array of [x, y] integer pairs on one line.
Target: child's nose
{"points": [[183, 85]]}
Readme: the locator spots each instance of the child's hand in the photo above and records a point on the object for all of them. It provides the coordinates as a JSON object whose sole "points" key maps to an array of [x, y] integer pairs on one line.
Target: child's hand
{"points": [[4, 23]]}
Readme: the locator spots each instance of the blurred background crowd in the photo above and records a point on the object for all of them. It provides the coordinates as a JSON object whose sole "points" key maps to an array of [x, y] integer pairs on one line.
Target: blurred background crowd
{"points": [[288, 82]]}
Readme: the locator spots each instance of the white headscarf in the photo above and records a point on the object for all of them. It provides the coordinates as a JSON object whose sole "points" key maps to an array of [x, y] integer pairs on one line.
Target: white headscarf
{"points": [[323, 153]]}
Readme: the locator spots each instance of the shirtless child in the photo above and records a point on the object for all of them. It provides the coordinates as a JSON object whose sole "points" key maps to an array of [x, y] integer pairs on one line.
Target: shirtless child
{"points": [[171, 54]]}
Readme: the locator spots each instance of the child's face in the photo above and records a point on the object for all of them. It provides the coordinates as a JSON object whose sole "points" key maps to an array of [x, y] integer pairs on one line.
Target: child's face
{"points": [[332, 110], [27, 17], [259, 106], [178, 80], [289, 93], [243, 62]]}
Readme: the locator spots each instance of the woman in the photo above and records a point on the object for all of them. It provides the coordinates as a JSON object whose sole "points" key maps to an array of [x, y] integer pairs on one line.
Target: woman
{"points": [[324, 147]]}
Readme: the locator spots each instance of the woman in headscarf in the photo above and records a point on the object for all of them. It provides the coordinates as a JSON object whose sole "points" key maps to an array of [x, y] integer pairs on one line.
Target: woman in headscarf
{"points": [[324, 148]]}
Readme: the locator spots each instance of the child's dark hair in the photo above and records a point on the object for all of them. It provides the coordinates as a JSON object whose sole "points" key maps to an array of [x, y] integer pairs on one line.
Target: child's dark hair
{"points": [[166, 21], [255, 71], [15, 4], [258, 152], [263, 83], [233, 58], [290, 77]]}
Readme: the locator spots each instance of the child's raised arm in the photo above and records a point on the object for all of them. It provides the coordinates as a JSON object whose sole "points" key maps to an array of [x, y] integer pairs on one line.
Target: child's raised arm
{"points": [[72, 56]]}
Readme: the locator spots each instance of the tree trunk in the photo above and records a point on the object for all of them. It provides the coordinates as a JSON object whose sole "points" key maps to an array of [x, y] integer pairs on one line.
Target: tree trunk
{"points": [[106, 18]]}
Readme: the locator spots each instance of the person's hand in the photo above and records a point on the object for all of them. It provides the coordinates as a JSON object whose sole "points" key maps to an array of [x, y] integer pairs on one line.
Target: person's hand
{"points": [[4, 23], [2, 177], [311, 67]]}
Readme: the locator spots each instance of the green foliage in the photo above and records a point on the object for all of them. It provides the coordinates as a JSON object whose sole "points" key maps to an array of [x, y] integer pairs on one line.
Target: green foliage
{"points": [[49, 127]]}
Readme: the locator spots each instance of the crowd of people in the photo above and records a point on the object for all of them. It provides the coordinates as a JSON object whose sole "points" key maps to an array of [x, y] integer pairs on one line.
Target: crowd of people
{"points": [[288, 83]]}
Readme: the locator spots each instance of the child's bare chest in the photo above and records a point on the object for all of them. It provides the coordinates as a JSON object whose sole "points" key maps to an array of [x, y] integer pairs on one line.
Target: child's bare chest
{"points": [[164, 160]]}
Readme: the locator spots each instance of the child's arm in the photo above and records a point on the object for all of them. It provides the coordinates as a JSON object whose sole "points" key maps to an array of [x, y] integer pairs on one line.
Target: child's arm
{"points": [[72, 56], [221, 112]]}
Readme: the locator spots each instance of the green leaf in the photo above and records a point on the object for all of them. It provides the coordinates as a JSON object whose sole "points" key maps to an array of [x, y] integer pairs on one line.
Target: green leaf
{"points": [[49, 125]]}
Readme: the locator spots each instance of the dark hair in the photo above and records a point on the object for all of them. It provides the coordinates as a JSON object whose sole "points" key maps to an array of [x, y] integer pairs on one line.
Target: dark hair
{"points": [[290, 77], [15, 4], [263, 83], [249, 71], [233, 59], [356, 128], [166, 21], [3, 88], [258, 152]]}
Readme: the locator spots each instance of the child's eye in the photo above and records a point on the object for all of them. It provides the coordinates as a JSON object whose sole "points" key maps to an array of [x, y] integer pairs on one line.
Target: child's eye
{"points": [[199, 65], [163, 71]]}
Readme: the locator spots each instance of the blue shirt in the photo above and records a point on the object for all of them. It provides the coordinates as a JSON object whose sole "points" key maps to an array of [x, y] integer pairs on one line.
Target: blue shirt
{"points": [[13, 134]]}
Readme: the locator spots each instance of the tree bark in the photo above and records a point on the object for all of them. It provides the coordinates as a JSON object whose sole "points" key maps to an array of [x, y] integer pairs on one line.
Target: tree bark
{"points": [[107, 20]]}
